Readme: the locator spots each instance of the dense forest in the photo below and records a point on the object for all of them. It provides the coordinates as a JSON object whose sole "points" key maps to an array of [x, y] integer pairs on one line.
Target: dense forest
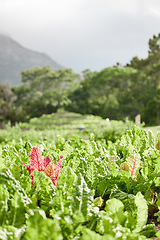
{"points": [[115, 92]]}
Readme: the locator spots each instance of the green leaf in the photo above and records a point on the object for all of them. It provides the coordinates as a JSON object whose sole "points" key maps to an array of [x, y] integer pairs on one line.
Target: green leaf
{"points": [[132, 165], [91, 174], [127, 199], [4, 178], [4, 196], [142, 212], [91, 235], [105, 224], [15, 184], [114, 208], [148, 231], [83, 197], [16, 213], [40, 227], [11, 233], [158, 234]]}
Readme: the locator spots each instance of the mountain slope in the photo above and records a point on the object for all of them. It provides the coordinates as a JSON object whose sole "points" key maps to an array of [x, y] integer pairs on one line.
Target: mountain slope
{"points": [[15, 58]]}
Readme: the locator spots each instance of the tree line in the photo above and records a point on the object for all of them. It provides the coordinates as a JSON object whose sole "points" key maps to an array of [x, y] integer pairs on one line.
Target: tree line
{"points": [[115, 92]]}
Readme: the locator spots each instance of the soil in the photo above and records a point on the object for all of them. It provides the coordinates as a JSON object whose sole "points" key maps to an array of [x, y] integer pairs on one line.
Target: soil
{"points": [[156, 225]]}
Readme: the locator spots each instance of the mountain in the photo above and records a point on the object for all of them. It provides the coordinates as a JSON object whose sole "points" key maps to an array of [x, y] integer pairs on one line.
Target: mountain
{"points": [[15, 58]]}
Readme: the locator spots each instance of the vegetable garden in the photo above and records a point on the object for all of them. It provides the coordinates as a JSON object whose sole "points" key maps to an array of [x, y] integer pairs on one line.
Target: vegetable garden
{"points": [[106, 186]]}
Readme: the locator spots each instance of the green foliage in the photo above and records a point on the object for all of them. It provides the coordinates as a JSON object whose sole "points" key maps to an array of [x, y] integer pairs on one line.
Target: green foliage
{"points": [[82, 197], [115, 92], [6, 100], [94, 198], [116, 222], [51, 90], [109, 184], [39, 227], [108, 93], [150, 68]]}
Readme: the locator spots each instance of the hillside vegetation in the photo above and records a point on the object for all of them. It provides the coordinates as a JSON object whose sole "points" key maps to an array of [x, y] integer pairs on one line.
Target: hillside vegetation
{"points": [[116, 92]]}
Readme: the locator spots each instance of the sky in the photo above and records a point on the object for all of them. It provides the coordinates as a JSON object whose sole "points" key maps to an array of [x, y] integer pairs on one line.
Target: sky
{"points": [[83, 34]]}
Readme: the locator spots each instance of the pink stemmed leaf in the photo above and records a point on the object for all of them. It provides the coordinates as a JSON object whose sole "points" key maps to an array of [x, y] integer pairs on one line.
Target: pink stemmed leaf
{"points": [[36, 162], [45, 164], [132, 165], [36, 159], [46, 161], [53, 171]]}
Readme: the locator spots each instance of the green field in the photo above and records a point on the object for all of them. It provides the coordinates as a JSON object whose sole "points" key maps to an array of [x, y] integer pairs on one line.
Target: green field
{"points": [[108, 186], [154, 129]]}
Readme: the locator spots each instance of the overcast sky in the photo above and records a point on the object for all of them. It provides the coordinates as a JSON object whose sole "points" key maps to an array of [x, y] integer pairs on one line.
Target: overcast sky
{"points": [[82, 34]]}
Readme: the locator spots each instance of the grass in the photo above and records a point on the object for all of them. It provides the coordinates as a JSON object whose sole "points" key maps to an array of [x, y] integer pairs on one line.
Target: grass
{"points": [[153, 129]]}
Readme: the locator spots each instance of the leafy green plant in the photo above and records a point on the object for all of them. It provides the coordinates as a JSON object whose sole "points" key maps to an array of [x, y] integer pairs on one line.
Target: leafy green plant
{"points": [[44, 164], [132, 165], [105, 190]]}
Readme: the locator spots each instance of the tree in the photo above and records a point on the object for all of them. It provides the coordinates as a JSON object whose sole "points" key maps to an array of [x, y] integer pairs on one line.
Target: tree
{"points": [[154, 70], [111, 93], [44, 90], [151, 68], [6, 99]]}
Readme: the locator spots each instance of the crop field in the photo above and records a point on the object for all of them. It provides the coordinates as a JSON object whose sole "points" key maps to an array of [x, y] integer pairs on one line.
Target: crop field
{"points": [[72, 177], [153, 129]]}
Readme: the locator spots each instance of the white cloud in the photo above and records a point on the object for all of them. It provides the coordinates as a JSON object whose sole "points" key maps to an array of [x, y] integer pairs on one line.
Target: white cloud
{"points": [[82, 33]]}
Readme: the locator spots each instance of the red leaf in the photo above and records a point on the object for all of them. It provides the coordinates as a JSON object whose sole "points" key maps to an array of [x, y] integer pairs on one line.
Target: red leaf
{"points": [[45, 164], [50, 170], [53, 172], [36, 159], [46, 161]]}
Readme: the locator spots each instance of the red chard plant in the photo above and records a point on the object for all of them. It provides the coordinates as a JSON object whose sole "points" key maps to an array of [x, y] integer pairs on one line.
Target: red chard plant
{"points": [[43, 164]]}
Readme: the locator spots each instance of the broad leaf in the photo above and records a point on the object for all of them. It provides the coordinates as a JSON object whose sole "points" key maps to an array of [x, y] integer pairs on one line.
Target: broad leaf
{"points": [[83, 197], [142, 212], [132, 165]]}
